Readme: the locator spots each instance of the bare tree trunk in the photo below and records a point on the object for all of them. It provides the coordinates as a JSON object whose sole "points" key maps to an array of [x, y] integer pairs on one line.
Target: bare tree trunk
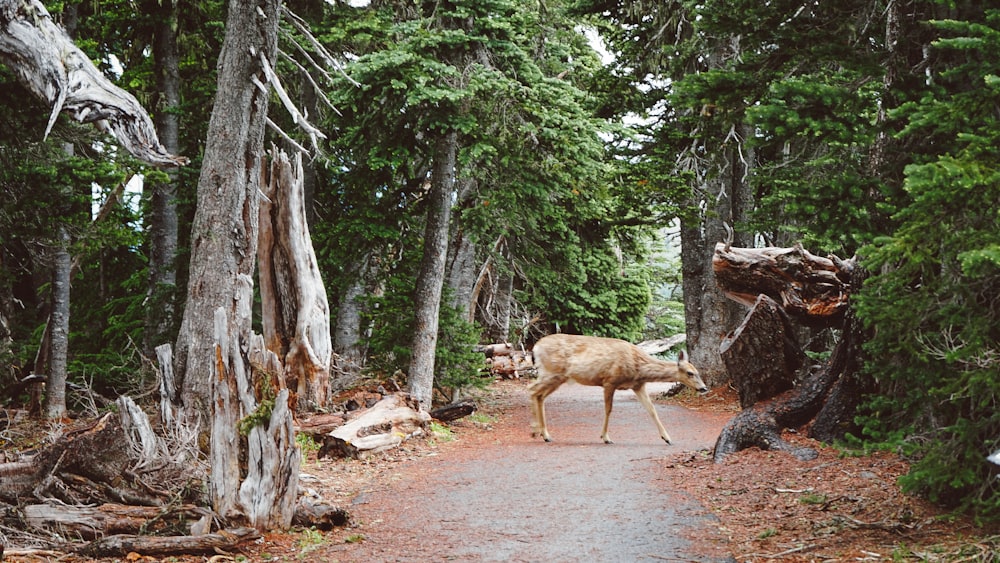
{"points": [[224, 232], [349, 354], [55, 389], [430, 280], [245, 407], [708, 315], [161, 292]]}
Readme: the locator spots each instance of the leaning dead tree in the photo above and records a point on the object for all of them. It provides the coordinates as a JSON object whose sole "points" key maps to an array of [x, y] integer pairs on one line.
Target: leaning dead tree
{"points": [[777, 387], [49, 65]]}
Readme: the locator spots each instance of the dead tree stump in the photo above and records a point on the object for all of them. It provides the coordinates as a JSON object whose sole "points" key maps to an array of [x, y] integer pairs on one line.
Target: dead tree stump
{"points": [[788, 283], [761, 355]]}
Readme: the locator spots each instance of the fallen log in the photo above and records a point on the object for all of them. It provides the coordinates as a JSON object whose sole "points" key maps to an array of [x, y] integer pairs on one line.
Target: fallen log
{"points": [[319, 424], [811, 288], [121, 545], [454, 411], [387, 424], [91, 522]]}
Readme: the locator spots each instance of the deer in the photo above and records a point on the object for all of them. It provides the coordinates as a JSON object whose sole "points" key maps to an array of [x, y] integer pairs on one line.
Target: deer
{"points": [[602, 362]]}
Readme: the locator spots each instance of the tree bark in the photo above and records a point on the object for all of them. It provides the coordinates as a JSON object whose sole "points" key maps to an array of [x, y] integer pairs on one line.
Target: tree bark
{"points": [[430, 279], [761, 354], [228, 381], [55, 389], [349, 356], [224, 232], [296, 316]]}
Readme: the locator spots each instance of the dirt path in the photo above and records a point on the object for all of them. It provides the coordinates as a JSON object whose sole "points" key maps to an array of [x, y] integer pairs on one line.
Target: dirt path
{"points": [[499, 495]]}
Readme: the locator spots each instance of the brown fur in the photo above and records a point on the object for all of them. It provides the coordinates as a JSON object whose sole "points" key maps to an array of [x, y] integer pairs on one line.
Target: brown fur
{"points": [[604, 362]]}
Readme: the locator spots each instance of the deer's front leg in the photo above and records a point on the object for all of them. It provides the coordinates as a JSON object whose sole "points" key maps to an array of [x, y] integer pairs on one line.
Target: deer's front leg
{"points": [[609, 399], [643, 396]]}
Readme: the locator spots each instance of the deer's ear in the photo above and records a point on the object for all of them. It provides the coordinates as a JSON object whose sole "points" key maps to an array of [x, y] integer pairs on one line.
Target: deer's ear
{"points": [[682, 357]]}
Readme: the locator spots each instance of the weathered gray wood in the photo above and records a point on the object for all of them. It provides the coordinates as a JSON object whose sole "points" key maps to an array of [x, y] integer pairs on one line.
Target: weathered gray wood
{"points": [[47, 63], [386, 425], [660, 345], [294, 308], [105, 519], [264, 495], [121, 545], [168, 386]]}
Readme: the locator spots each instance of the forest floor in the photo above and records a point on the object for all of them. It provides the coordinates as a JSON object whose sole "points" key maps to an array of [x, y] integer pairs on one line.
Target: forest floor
{"points": [[482, 489]]}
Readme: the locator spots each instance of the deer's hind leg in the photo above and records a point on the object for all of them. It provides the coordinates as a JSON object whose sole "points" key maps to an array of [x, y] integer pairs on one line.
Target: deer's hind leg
{"points": [[540, 390], [640, 392]]}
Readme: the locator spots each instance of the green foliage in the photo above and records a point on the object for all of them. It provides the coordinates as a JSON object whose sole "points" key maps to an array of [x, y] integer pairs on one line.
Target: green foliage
{"points": [[455, 365], [936, 298]]}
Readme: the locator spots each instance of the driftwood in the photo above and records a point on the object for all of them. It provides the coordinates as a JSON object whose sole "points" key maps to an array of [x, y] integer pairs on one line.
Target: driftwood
{"points": [[47, 63], [295, 313], [389, 423]]}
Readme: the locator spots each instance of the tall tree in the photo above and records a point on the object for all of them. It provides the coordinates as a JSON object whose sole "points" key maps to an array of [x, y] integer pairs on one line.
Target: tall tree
{"points": [[222, 386], [162, 218], [224, 234]]}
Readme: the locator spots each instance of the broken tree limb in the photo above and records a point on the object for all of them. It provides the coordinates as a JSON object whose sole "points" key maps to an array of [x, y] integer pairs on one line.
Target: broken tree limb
{"points": [[50, 66], [661, 345], [393, 420], [813, 289]]}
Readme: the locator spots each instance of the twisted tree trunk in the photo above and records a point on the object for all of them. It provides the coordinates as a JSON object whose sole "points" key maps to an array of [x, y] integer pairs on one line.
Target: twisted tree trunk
{"points": [[789, 283]]}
